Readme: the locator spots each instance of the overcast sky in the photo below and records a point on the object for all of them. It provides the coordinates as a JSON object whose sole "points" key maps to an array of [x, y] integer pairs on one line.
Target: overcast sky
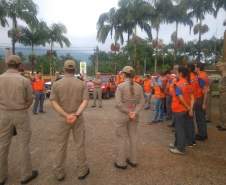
{"points": [[80, 17]]}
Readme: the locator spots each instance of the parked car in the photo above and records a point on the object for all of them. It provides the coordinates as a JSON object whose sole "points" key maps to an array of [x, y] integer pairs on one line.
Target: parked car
{"points": [[48, 86], [108, 86]]}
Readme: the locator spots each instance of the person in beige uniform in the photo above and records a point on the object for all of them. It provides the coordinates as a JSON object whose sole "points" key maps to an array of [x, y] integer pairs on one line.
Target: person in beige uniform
{"points": [[129, 102], [69, 97], [222, 102], [97, 93], [15, 100]]}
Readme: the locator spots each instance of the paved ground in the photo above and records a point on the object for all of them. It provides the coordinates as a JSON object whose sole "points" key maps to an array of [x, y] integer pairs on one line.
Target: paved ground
{"points": [[203, 165]]}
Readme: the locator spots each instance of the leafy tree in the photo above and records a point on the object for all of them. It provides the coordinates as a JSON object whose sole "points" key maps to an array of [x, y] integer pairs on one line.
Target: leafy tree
{"points": [[109, 23], [56, 35], [25, 10], [199, 8], [3, 13]]}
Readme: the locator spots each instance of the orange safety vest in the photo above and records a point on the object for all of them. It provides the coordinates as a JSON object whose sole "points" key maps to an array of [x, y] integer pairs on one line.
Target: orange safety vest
{"points": [[158, 92], [138, 80], [186, 90], [147, 85], [119, 79], [38, 85]]}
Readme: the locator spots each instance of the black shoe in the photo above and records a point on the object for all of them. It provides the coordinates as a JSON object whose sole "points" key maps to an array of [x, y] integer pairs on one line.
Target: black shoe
{"points": [[61, 179], [93, 106], [133, 165], [3, 183], [222, 129], [208, 121], [199, 138], [35, 113], [32, 177], [194, 143], [84, 176], [218, 126], [120, 167]]}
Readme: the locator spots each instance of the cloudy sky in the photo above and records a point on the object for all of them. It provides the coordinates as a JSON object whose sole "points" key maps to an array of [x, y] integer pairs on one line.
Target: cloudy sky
{"points": [[80, 17]]}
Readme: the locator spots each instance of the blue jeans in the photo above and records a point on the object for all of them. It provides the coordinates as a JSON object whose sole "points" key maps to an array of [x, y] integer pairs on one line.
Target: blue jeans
{"points": [[159, 110], [39, 101]]}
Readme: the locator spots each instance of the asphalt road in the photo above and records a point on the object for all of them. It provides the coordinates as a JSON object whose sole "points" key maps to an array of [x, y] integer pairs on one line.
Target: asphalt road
{"points": [[204, 164]]}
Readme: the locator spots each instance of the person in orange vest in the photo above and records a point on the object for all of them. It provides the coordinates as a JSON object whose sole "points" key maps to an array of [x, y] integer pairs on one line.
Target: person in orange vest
{"points": [[38, 85], [119, 78], [147, 91], [159, 97], [182, 107], [138, 80], [201, 102]]}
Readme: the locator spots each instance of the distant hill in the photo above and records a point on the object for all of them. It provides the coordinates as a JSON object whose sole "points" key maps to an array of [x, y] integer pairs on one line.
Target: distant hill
{"points": [[81, 56]]}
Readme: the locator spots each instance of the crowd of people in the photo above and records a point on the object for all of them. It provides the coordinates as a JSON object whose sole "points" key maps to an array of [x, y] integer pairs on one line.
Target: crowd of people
{"points": [[179, 95]]}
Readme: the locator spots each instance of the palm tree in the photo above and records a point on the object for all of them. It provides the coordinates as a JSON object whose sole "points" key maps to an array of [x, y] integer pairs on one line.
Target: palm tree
{"points": [[178, 13], [25, 10], [109, 23], [56, 35], [198, 10], [3, 13], [34, 35], [135, 13], [200, 29]]}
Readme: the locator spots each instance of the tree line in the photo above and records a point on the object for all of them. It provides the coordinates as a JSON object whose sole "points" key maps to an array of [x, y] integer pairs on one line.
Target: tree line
{"points": [[36, 32], [148, 15]]}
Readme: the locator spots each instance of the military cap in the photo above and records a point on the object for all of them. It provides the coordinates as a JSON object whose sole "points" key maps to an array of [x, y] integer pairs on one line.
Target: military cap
{"points": [[69, 64], [13, 59], [128, 70]]}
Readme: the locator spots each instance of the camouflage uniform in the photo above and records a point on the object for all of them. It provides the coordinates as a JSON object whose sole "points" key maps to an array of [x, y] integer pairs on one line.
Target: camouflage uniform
{"points": [[223, 103]]}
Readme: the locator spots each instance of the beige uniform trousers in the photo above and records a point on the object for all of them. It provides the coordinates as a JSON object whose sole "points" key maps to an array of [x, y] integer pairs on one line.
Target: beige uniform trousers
{"points": [[222, 110], [209, 107], [126, 135], [63, 133], [97, 93], [21, 120]]}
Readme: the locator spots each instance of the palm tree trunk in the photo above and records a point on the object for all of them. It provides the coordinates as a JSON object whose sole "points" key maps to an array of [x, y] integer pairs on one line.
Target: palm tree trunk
{"points": [[13, 36], [156, 52], [175, 46], [32, 58], [199, 42]]}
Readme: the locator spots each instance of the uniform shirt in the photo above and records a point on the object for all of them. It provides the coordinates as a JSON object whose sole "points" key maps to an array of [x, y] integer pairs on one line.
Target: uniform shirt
{"points": [[182, 87], [223, 86], [97, 83], [125, 101], [15, 91], [69, 93]]}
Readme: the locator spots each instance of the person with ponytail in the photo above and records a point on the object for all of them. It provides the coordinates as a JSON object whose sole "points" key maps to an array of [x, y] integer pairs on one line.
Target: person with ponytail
{"points": [[182, 107], [129, 102]]}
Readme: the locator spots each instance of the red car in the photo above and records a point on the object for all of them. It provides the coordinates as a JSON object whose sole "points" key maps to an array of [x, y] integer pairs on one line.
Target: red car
{"points": [[108, 86]]}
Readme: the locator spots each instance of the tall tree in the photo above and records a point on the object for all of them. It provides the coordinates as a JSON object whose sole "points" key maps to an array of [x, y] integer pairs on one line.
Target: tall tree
{"points": [[3, 13], [57, 35], [25, 10], [34, 35], [109, 23], [178, 13], [199, 8]]}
